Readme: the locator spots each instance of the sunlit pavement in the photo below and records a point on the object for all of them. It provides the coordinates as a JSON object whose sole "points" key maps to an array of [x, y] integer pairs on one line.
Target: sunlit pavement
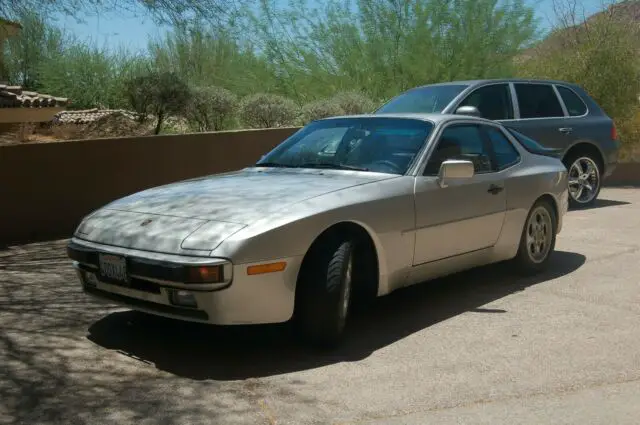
{"points": [[479, 348]]}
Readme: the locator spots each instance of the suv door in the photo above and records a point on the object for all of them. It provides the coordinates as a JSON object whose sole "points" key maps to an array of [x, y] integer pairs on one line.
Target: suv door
{"points": [[541, 115], [467, 215]]}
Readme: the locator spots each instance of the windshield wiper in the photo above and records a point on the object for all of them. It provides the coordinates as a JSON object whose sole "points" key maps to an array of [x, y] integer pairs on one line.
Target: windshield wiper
{"points": [[272, 164], [331, 165]]}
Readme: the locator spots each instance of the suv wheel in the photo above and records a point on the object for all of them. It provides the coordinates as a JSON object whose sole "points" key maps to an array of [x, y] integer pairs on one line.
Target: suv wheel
{"points": [[584, 179]]}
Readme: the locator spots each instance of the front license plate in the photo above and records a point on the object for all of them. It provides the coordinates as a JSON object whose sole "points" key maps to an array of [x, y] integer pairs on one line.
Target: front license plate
{"points": [[113, 267]]}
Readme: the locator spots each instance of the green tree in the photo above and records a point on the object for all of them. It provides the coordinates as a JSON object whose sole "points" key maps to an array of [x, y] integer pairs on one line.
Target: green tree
{"points": [[212, 57], [90, 77], [28, 53], [159, 94], [220, 12], [383, 47]]}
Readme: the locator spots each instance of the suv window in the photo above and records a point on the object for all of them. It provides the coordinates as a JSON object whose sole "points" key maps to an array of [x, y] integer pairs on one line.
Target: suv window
{"points": [[493, 101], [575, 105], [463, 141], [538, 101], [505, 155]]}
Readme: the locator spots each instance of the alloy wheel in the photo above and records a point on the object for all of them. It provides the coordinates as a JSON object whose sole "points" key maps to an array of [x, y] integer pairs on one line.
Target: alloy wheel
{"points": [[539, 234], [584, 180]]}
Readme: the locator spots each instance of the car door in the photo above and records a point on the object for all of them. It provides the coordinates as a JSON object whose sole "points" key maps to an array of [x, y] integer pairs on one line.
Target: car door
{"points": [[540, 114], [467, 215]]}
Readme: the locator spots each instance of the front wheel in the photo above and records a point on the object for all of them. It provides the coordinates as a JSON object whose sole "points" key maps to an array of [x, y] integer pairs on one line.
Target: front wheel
{"points": [[324, 296], [538, 238], [584, 180]]}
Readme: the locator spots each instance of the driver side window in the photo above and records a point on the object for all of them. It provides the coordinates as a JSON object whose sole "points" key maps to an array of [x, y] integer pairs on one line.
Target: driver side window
{"points": [[462, 141]]}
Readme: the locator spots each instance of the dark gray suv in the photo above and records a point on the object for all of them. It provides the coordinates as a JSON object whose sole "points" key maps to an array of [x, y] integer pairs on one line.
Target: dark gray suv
{"points": [[557, 114]]}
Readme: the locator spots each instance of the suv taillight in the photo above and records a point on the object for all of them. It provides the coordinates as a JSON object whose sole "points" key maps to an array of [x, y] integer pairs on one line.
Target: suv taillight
{"points": [[614, 132]]}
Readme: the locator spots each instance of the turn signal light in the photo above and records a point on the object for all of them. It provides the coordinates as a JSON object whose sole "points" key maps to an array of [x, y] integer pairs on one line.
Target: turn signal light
{"points": [[266, 268], [204, 274]]}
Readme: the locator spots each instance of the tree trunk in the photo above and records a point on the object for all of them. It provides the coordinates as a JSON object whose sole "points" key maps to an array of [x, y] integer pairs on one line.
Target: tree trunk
{"points": [[159, 123]]}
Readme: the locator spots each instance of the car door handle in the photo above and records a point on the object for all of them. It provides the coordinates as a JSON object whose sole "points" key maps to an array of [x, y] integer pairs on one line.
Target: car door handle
{"points": [[495, 189], [565, 130]]}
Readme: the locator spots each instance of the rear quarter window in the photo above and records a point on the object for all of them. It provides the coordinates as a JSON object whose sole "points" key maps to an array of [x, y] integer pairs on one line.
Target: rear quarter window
{"points": [[575, 105], [538, 101]]}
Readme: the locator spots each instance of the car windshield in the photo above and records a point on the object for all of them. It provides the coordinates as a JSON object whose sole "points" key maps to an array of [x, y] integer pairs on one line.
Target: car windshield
{"points": [[427, 99], [378, 144]]}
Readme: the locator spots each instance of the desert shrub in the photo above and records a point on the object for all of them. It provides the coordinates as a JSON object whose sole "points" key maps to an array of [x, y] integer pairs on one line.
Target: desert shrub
{"points": [[264, 110], [211, 108], [629, 133], [353, 102], [320, 109], [158, 93]]}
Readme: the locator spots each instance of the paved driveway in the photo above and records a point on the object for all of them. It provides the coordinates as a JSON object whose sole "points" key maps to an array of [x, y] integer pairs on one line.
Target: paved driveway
{"points": [[478, 348]]}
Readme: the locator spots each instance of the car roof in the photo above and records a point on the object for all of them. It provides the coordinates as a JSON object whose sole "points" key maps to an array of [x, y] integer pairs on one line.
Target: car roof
{"points": [[435, 117], [480, 82]]}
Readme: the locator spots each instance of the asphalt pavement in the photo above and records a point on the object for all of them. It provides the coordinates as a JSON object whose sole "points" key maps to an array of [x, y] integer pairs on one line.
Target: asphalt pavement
{"points": [[481, 347]]}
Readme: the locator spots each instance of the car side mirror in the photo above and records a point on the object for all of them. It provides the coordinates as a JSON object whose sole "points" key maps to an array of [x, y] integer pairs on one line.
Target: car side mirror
{"points": [[454, 169], [469, 110]]}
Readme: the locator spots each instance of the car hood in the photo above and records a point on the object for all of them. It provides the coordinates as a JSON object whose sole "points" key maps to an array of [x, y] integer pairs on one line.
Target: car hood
{"points": [[241, 197], [199, 214]]}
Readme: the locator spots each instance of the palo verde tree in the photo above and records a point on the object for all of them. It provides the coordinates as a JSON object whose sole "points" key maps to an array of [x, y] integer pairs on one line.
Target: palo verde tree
{"points": [[219, 12], [28, 53], [385, 46]]}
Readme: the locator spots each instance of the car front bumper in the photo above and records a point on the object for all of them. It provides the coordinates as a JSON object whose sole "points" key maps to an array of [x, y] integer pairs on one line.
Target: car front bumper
{"points": [[242, 298]]}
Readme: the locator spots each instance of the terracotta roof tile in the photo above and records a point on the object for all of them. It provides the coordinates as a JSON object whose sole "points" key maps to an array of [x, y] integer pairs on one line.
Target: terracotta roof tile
{"points": [[15, 97], [90, 115]]}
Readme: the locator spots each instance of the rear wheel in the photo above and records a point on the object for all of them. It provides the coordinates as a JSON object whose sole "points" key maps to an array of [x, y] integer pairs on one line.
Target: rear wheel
{"points": [[324, 295], [538, 238], [584, 179]]}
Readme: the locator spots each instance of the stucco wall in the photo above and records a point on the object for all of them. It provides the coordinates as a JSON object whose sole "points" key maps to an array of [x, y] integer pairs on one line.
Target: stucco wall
{"points": [[45, 189]]}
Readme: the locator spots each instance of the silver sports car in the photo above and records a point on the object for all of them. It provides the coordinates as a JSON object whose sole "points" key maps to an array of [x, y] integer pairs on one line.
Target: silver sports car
{"points": [[346, 209]]}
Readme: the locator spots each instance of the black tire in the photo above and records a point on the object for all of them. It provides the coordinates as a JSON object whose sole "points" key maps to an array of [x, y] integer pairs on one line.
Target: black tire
{"points": [[568, 162], [324, 284], [524, 262]]}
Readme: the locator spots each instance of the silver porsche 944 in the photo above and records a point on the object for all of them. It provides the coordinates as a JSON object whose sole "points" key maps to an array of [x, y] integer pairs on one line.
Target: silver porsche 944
{"points": [[344, 210]]}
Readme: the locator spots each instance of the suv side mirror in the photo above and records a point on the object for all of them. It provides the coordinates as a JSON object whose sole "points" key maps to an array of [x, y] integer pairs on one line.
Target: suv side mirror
{"points": [[454, 169], [469, 110]]}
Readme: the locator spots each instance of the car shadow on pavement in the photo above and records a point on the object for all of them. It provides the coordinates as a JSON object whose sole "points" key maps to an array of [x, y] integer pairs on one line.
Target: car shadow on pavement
{"points": [[201, 352], [602, 203]]}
